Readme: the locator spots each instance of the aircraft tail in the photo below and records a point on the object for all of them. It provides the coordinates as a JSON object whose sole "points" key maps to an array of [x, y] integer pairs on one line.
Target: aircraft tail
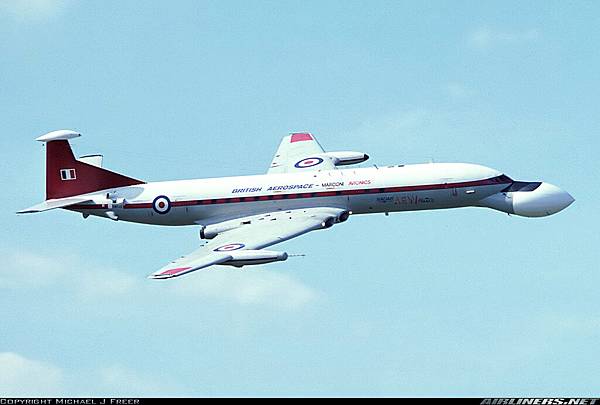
{"points": [[67, 176]]}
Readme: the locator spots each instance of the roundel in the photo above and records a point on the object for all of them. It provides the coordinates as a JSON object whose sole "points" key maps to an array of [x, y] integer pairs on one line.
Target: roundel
{"points": [[308, 162], [161, 204], [229, 247]]}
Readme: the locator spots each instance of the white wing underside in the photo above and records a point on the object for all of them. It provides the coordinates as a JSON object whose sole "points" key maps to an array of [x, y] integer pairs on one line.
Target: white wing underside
{"points": [[299, 152], [255, 233]]}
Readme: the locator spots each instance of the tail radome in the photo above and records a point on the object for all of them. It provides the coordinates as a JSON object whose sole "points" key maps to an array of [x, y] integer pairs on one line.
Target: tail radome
{"points": [[67, 176]]}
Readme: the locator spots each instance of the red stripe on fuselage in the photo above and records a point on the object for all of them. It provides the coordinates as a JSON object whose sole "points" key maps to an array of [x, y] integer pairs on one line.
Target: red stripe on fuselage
{"points": [[139, 205], [293, 196], [180, 203]]}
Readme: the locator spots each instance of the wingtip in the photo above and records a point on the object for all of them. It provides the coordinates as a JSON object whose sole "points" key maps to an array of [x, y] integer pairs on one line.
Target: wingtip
{"points": [[169, 273], [301, 136], [158, 277]]}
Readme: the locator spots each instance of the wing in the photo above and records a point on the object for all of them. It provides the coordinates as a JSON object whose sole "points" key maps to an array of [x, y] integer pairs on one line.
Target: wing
{"points": [[300, 152], [242, 245]]}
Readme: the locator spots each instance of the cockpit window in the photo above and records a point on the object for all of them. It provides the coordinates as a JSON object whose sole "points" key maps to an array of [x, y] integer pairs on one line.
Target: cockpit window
{"points": [[523, 186], [502, 179]]}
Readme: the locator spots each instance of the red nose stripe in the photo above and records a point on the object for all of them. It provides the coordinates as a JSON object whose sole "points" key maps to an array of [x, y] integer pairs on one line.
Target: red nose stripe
{"points": [[171, 272], [304, 136]]}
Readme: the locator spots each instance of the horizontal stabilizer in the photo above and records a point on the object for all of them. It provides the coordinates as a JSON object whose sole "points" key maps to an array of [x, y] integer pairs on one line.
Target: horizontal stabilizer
{"points": [[55, 203], [94, 160]]}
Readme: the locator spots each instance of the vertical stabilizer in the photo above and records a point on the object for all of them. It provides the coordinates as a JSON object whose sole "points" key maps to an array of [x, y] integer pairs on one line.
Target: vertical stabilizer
{"points": [[67, 176]]}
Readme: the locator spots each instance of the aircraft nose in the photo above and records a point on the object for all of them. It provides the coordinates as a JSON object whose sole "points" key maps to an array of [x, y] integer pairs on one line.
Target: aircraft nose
{"points": [[547, 199], [556, 198]]}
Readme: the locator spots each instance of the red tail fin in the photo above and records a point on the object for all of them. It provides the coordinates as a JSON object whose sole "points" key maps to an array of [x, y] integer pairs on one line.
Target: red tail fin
{"points": [[67, 176]]}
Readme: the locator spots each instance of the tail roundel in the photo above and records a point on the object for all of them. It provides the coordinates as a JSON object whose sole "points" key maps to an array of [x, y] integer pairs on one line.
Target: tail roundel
{"points": [[66, 176]]}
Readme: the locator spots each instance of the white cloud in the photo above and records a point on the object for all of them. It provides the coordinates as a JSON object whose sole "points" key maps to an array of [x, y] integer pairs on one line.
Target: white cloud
{"points": [[122, 381], [32, 9], [404, 126], [94, 283], [25, 269], [579, 325], [484, 38], [88, 282], [247, 287], [458, 91], [23, 377], [393, 124], [20, 377]]}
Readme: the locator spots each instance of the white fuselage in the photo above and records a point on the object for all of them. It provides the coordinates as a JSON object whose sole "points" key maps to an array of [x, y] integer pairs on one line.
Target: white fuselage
{"points": [[360, 191]]}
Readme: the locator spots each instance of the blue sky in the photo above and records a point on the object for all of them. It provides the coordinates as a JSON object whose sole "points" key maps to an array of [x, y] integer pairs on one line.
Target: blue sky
{"points": [[462, 302]]}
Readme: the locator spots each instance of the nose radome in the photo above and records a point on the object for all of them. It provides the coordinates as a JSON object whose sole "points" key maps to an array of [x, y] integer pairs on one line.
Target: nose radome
{"points": [[557, 197], [547, 199]]}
